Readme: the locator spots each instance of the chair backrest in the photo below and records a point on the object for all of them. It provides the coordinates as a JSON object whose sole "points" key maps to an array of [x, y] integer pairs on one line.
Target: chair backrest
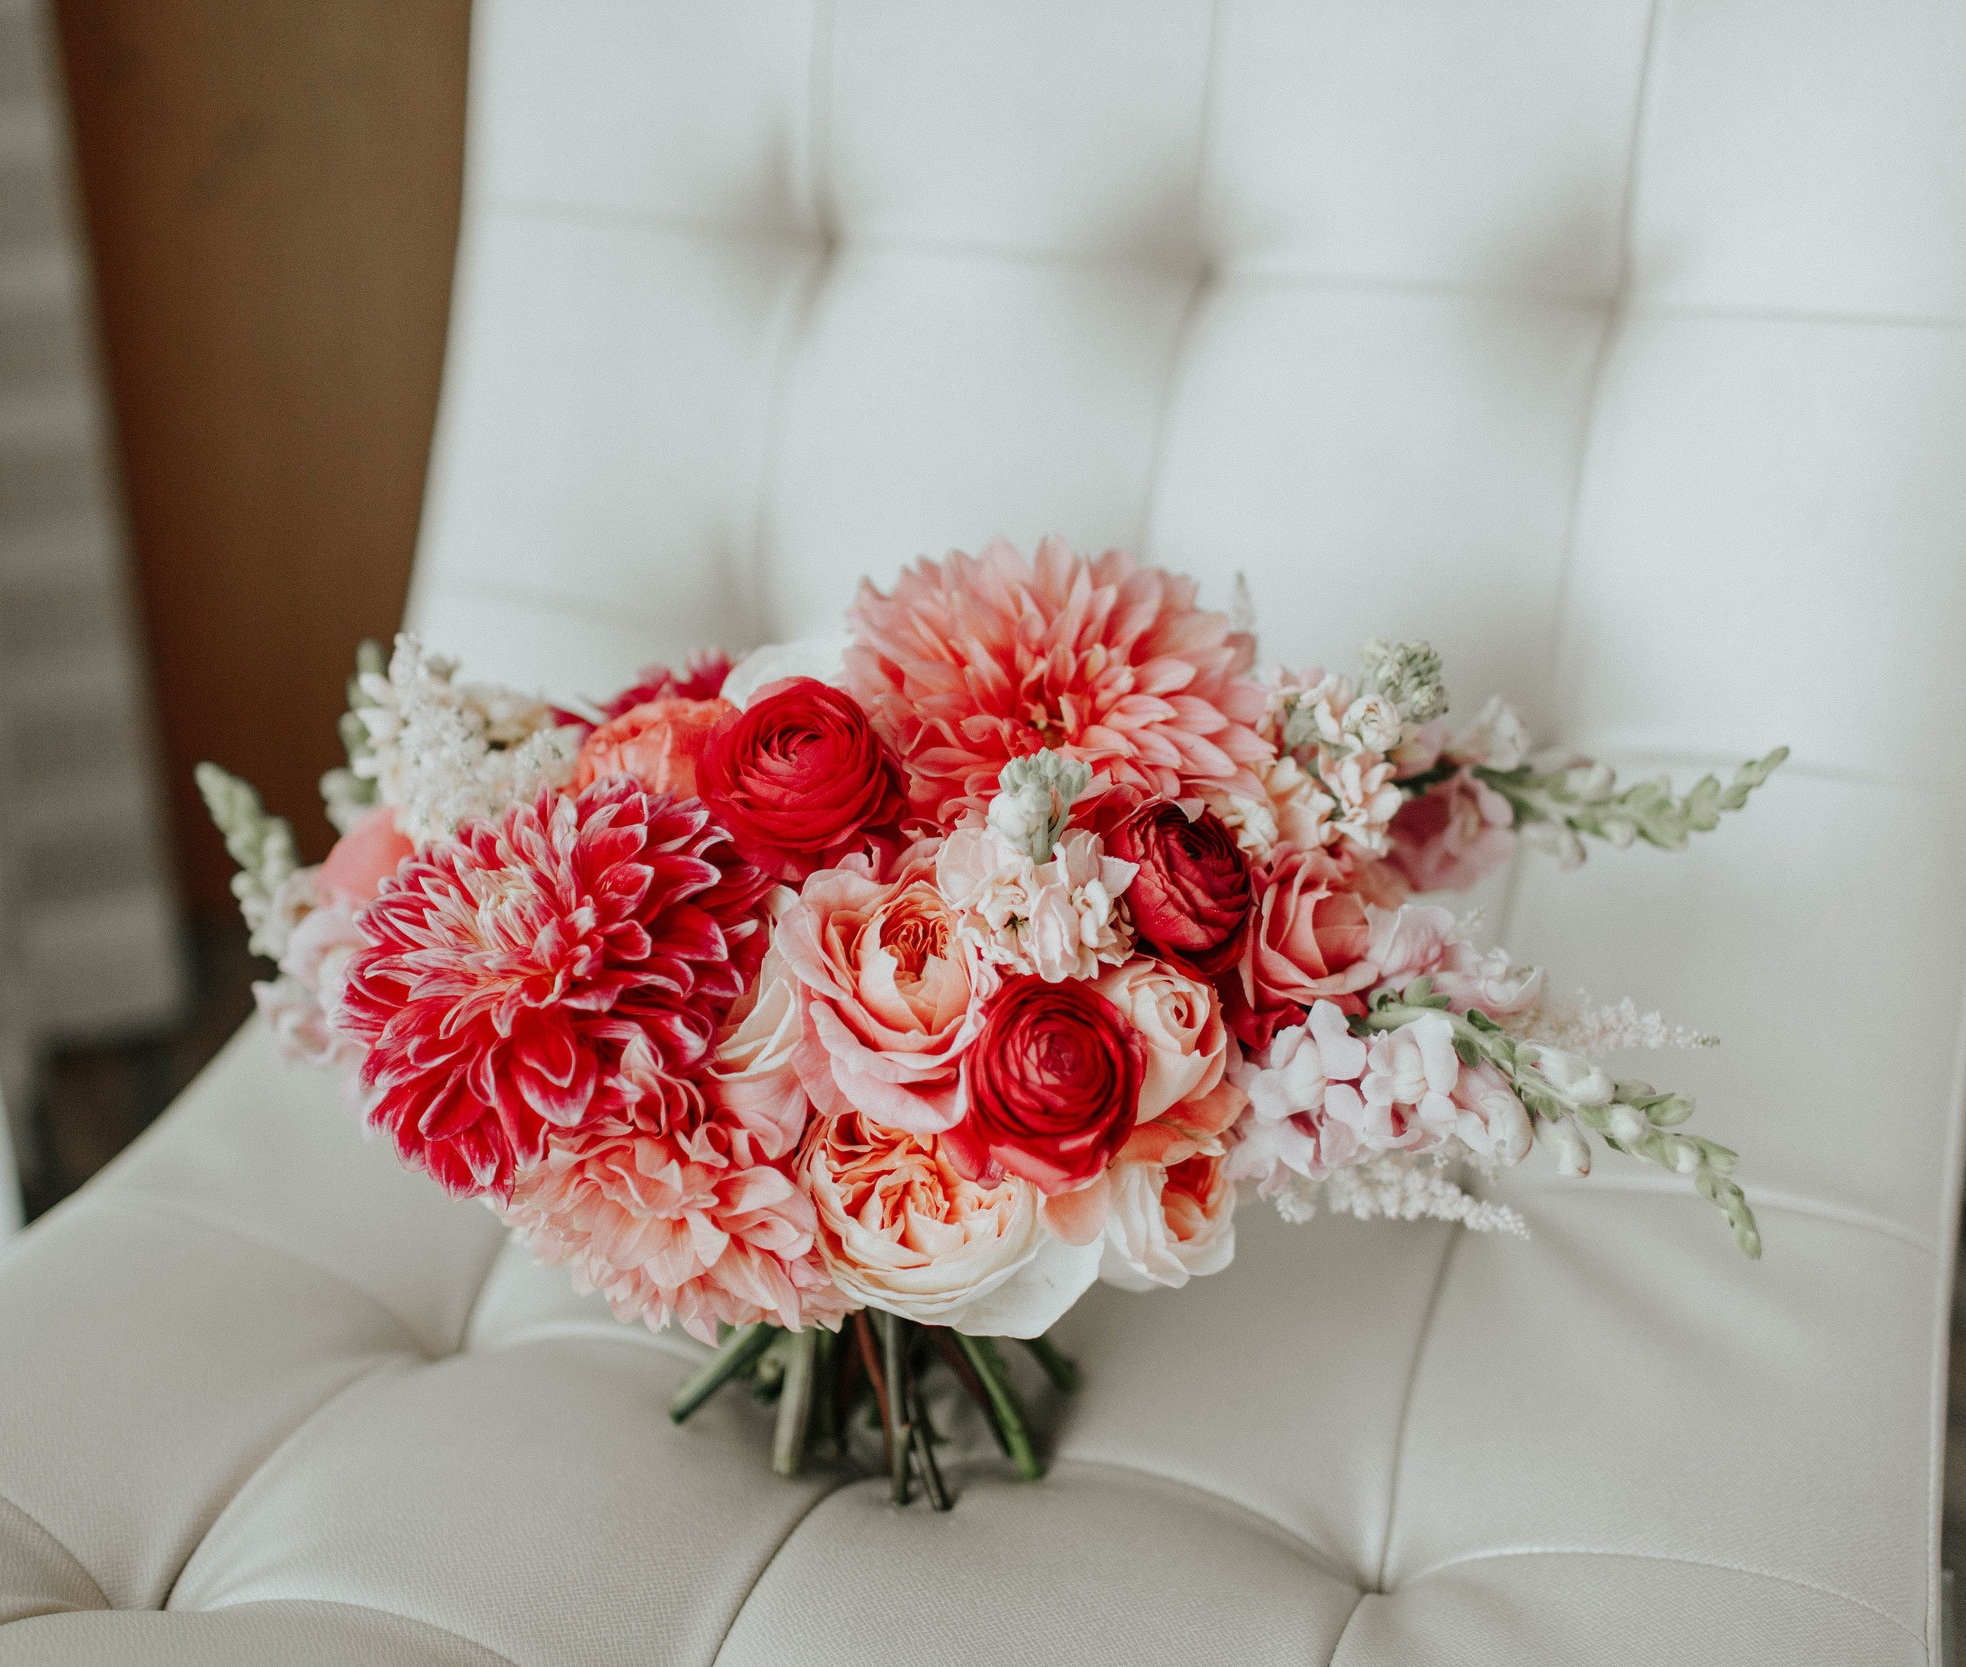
{"points": [[1615, 346]]}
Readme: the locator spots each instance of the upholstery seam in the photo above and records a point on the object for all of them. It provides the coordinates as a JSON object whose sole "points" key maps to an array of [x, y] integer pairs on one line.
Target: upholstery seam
{"points": [[1196, 300], [1938, 1384], [796, 312], [1338, 1644], [1663, 1557], [1310, 1553], [771, 1558], [1777, 1200], [492, 1258], [258, 1467], [48, 1534], [170, 1210], [358, 1608], [600, 216], [1406, 1401], [1614, 328]]}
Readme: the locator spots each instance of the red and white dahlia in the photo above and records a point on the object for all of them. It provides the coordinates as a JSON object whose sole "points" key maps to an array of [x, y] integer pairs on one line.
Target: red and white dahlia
{"points": [[568, 962], [977, 660]]}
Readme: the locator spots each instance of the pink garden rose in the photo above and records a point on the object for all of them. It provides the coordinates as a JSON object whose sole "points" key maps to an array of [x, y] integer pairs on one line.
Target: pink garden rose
{"points": [[891, 994], [1456, 833], [1311, 943], [365, 856], [1167, 1225], [659, 743]]}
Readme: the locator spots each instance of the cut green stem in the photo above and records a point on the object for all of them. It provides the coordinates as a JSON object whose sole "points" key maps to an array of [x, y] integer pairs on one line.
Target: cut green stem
{"points": [[795, 1400], [1011, 1418], [894, 1348], [738, 1354], [1060, 1368]]}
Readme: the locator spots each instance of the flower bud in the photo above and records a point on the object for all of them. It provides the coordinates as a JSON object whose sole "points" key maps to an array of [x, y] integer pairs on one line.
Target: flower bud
{"points": [[1567, 1142], [1574, 1077], [1680, 1154], [1625, 1123]]}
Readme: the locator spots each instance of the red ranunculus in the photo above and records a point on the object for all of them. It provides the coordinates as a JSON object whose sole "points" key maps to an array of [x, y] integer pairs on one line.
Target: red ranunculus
{"points": [[799, 778], [1190, 900], [1050, 1086], [702, 679]]}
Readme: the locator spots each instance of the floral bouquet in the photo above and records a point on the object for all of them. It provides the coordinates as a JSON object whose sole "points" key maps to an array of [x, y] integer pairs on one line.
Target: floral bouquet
{"points": [[857, 1007]]}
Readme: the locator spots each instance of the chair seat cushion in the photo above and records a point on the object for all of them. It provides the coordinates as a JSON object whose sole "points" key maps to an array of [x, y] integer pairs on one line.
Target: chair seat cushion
{"points": [[271, 1398]]}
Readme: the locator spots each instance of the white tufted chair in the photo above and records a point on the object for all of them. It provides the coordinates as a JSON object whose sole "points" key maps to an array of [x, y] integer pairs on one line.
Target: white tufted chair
{"points": [[1618, 347]]}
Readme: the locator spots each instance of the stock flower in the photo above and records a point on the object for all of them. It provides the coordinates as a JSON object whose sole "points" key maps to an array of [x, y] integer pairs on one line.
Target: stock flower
{"points": [[658, 743], [1192, 891], [1305, 1108], [799, 778], [1167, 1225], [977, 660], [902, 1229], [1408, 1089], [1056, 919], [891, 994], [1179, 1021], [569, 961], [1492, 1123], [1051, 1086], [1308, 943], [1456, 833]]}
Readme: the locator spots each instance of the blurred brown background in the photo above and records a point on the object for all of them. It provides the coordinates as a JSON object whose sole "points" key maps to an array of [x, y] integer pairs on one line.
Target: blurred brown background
{"points": [[271, 193]]}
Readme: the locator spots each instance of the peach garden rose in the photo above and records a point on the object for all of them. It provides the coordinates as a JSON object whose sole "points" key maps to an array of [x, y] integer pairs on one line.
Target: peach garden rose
{"points": [[891, 994], [900, 1229]]}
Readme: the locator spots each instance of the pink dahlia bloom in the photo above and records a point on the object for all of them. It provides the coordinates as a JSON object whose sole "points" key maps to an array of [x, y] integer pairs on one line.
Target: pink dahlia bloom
{"points": [[566, 963], [977, 660], [700, 1227], [699, 1222]]}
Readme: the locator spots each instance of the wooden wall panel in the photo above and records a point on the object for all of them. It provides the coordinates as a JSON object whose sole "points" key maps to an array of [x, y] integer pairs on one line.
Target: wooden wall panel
{"points": [[271, 191]]}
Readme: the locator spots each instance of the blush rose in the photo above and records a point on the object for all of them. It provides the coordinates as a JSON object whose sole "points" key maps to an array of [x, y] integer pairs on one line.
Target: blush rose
{"points": [[1309, 943], [658, 743], [890, 993], [1179, 1020]]}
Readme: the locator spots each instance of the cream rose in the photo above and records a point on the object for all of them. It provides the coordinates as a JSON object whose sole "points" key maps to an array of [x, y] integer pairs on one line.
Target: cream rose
{"points": [[900, 1230], [1180, 1020], [1168, 1225]]}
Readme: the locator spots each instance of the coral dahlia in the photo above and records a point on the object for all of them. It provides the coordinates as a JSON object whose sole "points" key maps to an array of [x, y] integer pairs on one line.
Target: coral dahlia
{"points": [[566, 963], [977, 660], [680, 1225]]}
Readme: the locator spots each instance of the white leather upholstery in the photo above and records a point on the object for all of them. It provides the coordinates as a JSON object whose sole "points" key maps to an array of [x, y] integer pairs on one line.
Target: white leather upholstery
{"points": [[1619, 347]]}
